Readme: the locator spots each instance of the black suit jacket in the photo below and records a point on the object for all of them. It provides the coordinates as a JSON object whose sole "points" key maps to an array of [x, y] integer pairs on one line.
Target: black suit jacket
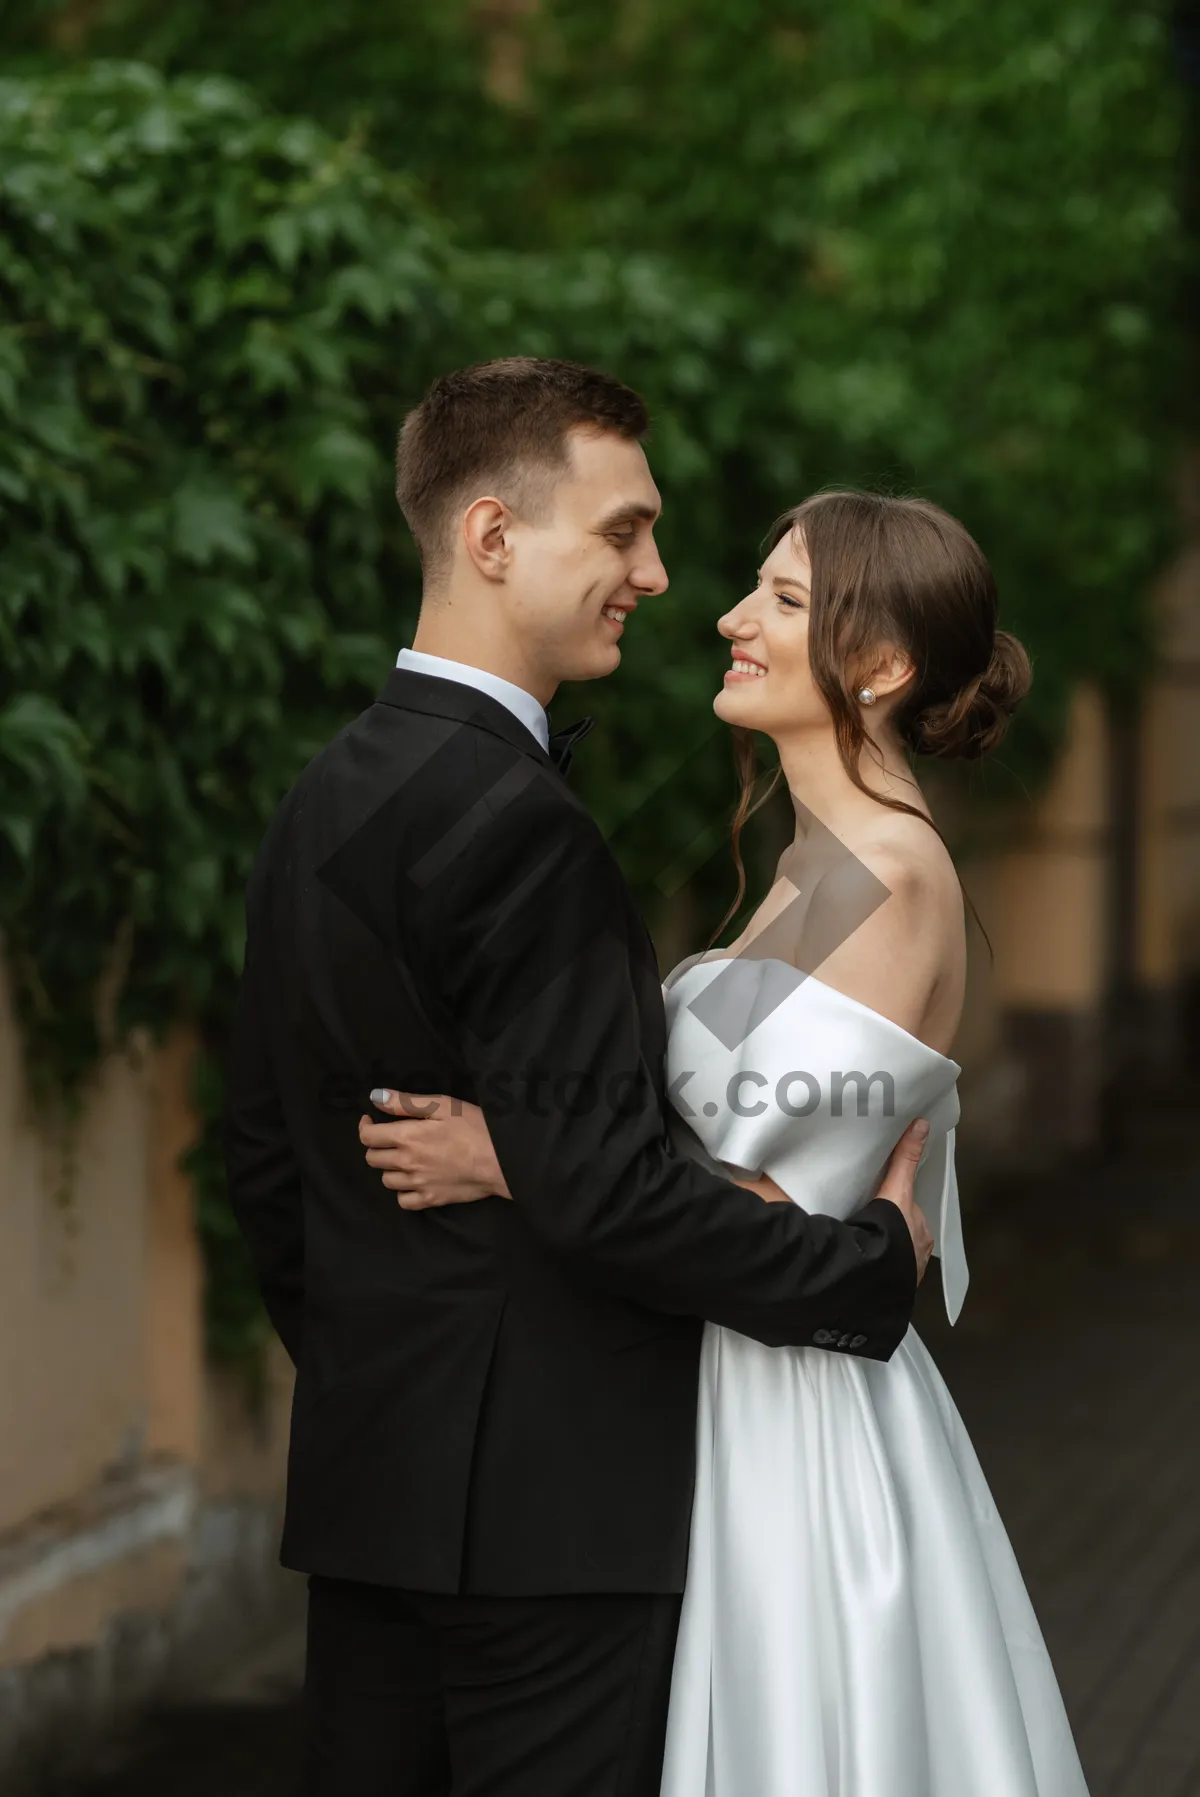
{"points": [[496, 1397]]}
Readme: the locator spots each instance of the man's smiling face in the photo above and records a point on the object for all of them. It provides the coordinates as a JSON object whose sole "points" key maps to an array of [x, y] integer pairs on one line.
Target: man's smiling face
{"points": [[578, 571]]}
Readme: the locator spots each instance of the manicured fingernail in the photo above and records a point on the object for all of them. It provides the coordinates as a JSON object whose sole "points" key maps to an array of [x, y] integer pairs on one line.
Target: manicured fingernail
{"points": [[381, 1095], [920, 1127]]}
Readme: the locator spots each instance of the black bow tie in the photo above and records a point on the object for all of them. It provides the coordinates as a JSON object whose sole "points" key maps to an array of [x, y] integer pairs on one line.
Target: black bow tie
{"points": [[562, 743]]}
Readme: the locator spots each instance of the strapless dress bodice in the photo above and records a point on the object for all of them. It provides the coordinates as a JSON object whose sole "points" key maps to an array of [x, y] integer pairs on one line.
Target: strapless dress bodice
{"points": [[770, 1070]]}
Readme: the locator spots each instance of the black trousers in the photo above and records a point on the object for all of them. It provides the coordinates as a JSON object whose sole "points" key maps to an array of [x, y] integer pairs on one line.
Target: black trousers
{"points": [[413, 1695]]}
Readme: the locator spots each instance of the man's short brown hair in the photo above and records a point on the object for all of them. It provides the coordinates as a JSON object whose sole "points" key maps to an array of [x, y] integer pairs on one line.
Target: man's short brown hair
{"points": [[500, 427]]}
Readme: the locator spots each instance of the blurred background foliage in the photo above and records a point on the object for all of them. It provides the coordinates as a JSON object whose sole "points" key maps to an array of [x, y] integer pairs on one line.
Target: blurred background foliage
{"points": [[918, 245]]}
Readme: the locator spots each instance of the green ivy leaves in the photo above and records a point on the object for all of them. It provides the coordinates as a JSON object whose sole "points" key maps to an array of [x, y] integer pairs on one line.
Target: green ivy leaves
{"points": [[200, 305]]}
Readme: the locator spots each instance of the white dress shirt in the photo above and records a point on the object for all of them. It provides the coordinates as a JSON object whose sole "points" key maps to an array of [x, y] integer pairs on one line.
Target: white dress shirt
{"points": [[523, 705]]}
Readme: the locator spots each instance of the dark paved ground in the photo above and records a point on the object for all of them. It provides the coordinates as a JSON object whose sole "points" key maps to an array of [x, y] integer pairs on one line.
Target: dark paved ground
{"points": [[1076, 1365]]}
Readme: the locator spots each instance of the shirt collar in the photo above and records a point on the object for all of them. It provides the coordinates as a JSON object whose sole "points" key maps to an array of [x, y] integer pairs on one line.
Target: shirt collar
{"points": [[523, 705]]}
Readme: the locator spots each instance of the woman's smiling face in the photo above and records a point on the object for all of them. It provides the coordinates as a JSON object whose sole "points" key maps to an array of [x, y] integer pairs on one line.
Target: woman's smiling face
{"points": [[770, 686]]}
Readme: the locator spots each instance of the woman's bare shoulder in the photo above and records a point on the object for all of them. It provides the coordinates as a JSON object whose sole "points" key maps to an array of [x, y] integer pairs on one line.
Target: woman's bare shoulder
{"points": [[906, 959], [911, 860]]}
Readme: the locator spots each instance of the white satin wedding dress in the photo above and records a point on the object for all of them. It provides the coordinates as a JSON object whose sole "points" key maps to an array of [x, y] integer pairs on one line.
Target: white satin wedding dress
{"points": [[854, 1623]]}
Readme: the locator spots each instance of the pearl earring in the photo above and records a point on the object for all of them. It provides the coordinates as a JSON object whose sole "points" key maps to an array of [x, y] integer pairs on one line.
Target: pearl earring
{"points": [[866, 696]]}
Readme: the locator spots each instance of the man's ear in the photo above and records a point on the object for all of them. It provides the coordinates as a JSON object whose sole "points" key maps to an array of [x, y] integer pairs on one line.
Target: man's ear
{"points": [[486, 534]]}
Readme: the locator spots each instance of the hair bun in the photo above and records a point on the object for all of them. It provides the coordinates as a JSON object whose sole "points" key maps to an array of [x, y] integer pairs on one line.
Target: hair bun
{"points": [[973, 722]]}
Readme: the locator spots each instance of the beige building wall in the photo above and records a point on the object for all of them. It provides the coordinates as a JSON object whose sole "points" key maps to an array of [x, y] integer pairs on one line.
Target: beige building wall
{"points": [[1031, 1044], [1168, 944], [73, 1265], [1038, 1033], [139, 1490], [1048, 893]]}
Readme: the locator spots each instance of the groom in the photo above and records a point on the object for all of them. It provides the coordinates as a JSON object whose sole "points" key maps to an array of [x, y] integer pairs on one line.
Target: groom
{"points": [[492, 1460]]}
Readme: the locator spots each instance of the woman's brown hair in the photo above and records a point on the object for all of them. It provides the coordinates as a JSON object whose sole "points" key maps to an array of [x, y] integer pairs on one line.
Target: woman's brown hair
{"points": [[902, 572]]}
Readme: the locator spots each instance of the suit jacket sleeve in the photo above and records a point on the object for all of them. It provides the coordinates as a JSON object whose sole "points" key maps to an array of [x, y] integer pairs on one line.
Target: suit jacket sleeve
{"points": [[525, 934], [261, 1168]]}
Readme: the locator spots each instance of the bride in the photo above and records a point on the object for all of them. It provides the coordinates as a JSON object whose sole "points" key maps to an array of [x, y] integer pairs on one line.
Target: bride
{"points": [[854, 1622]]}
